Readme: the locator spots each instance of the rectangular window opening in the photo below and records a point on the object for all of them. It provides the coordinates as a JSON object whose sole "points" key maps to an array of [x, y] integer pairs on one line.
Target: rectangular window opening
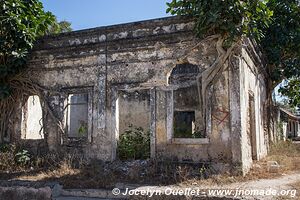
{"points": [[77, 115], [187, 114], [32, 119], [133, 124], [184, 124]]}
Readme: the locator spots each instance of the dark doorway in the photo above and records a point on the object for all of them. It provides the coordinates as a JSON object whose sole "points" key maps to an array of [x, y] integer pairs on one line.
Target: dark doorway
{"points": [[252, 126]]}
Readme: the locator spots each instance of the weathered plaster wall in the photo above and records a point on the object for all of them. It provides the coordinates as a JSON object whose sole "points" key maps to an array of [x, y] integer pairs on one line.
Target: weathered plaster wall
{"points": [[134, 110], [140, 57], [220, 118], [107, 60], [32, 119], [253, 83], [216, 147]]}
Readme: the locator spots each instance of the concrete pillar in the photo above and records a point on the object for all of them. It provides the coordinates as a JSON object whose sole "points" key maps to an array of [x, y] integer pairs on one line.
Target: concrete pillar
{"points": [[161, 125], [153, 123], [235, 117], [114, 124]]}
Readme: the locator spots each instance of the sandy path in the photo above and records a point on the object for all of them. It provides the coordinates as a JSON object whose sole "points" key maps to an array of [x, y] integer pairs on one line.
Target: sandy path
{"points": [[281, 185]]}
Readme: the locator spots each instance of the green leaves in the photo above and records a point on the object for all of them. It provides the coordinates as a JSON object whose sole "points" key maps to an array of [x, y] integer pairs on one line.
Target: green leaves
{"points": [[274, 24], [21, 22], [231, 18], [281, 45], [59, 27], [134, 144], [292, 90], [23, 157]]}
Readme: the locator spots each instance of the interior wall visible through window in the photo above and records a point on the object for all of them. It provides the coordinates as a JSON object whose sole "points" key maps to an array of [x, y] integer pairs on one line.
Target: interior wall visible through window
{"points": [[187, 111], [32, 115], [77, 115]]}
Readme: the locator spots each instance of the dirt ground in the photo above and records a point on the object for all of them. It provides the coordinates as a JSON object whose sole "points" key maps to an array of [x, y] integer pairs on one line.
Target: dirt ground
{"points": [[98, 175]]}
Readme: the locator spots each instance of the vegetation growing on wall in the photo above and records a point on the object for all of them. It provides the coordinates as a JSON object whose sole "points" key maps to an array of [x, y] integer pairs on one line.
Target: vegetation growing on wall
{"points": [[274, 24], [21, 22], [59, 27]]}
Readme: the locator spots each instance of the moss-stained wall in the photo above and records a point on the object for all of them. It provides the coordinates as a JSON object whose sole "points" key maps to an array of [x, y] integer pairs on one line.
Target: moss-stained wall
{"points": [[139, 57], [134, 110], [253, 85]]}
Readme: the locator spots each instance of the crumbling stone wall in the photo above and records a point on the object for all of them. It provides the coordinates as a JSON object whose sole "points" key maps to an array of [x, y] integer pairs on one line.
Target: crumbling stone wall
{"points": [[253, 88], [134, 110], [138, 57]]}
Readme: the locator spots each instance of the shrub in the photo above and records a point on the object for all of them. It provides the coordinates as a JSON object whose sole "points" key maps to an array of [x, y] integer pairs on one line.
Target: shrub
{"points": [[134, 143], [22, 157], [7, 157], [12, 158]]}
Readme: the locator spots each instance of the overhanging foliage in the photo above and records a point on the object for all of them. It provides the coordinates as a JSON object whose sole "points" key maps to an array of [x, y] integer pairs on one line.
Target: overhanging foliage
{"points": [[21, 22], [274, 24]]}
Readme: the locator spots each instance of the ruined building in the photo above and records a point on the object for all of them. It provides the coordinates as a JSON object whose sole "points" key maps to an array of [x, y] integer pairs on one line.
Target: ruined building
{"points": [[289, 124], [147, 74]]}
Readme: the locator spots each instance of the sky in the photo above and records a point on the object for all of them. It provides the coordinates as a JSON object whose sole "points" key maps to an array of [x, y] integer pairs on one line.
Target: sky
{"points": [[85, 14]]}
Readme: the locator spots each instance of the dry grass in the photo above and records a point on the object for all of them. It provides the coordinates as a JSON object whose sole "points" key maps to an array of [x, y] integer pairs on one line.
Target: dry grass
{"points": [[286, 153], [90, 175], [65, 169], [73, 169]]}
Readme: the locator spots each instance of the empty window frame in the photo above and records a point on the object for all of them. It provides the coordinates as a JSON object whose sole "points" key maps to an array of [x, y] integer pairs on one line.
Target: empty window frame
{"points": [[184, 124], [32, 119], [185, 121], [187, 113], [77, 116]]}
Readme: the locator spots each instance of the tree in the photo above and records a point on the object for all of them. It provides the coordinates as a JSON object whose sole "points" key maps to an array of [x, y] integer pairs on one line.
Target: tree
{"points": [[21, 23], [274, 24], [59, 27], [281, 44], [292, 90]]}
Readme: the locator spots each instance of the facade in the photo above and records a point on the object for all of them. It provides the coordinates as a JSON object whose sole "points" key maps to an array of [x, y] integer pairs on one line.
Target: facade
{"points": [[290, 124], [147, 74]]}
